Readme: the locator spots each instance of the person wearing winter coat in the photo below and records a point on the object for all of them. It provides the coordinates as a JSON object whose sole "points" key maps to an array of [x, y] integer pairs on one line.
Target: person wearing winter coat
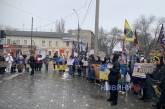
{"points": [[161, 102], [9, 59], [161, 77], [46, 62], [55, 59], [2, 65], [113, 78], [31, 61], [70, 62]]}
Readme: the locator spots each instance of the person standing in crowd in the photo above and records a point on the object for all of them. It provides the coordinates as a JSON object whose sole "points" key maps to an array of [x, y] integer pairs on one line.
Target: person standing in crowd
{"points": [[61, 63], [55, 57], [37, 63], [70, 65], [85, 65], [159, 75], [161, 103], [2, 65], [31, 61], [145, 85], [91, 72], [14, 65], [20, 63], [9, 59], [46, 62], [40, 62], [25, 62], [80, 67], [113, 78], [75, 65]]}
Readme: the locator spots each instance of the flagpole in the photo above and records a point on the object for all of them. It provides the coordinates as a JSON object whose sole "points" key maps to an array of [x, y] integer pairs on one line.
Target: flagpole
{"points": [[123, 45]]}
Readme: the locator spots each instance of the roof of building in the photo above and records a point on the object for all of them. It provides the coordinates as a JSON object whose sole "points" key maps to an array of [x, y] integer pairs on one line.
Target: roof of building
{"points": [[38, 34], [82, 31]]}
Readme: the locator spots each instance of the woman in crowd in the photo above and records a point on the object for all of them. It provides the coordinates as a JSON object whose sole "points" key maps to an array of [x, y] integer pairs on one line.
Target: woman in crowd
{"points": [[31, 61], [39, 62], [113, 78], [20, 63]]}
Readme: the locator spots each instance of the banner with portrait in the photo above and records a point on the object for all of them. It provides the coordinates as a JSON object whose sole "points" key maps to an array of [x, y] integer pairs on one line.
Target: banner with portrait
{"points": [[141, 69]]}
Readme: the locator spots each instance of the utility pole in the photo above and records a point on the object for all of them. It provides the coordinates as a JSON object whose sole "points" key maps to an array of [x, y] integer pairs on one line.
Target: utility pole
{"points": [[78, 31], [31, 35], [96, 26]]}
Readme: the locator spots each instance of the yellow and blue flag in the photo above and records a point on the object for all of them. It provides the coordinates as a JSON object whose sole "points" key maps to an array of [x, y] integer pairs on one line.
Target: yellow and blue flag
{"points": [[128, 32]]}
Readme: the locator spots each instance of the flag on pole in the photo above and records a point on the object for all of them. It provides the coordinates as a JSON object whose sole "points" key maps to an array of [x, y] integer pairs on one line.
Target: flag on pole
{"points": [[81, 48], [160, 34], [128, 32], [161, 38], [86, 49], [136, 39]]}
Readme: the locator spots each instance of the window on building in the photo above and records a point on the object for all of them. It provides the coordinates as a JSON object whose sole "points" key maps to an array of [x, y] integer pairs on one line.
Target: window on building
{"points": [[14, 42], [33, 42], [25, 42], [18, 42], [43, 42], [67, 43], [56, 43], [8, 41], [50, 43]]}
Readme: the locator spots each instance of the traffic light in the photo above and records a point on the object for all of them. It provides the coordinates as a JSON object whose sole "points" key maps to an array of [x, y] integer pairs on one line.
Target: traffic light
{"points": [[3, 34]]}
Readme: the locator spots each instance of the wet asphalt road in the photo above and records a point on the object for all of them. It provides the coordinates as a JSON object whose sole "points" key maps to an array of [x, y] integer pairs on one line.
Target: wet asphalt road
{"points": [[58, 91]]}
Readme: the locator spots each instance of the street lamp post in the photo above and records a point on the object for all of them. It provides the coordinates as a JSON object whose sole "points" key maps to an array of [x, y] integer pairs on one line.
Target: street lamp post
{"points": [[78, 30], [31, 35]]}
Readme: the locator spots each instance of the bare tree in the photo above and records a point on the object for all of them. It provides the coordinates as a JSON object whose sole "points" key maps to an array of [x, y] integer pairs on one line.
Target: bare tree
{"points": [[108, 40], [7, 27], [102, 39], [60, 26], [157, 31], [143, 25], [148, 32], [115, 34]]}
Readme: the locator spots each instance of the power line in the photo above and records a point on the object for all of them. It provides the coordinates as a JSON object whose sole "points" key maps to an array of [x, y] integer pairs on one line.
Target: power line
{"points": [[25, 11], [79, 9], [85, 16], [69, 15], [31, 14]]}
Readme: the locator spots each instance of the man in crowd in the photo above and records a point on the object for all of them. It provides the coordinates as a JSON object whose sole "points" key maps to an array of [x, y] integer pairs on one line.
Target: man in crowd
{"points": [[160, 75], [31, 61]]}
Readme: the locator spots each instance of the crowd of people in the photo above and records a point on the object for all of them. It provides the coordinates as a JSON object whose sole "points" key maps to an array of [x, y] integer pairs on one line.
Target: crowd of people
{"points": [[83, 67], [12, 64]]}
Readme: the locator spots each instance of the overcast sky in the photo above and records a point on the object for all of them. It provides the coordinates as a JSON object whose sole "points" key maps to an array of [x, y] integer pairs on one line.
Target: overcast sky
{"points": [[18, 13]]}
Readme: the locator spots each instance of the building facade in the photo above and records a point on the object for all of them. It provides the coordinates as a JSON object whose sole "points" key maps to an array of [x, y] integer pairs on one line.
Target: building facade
{"points": [[86, 36], [44, 42]]}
